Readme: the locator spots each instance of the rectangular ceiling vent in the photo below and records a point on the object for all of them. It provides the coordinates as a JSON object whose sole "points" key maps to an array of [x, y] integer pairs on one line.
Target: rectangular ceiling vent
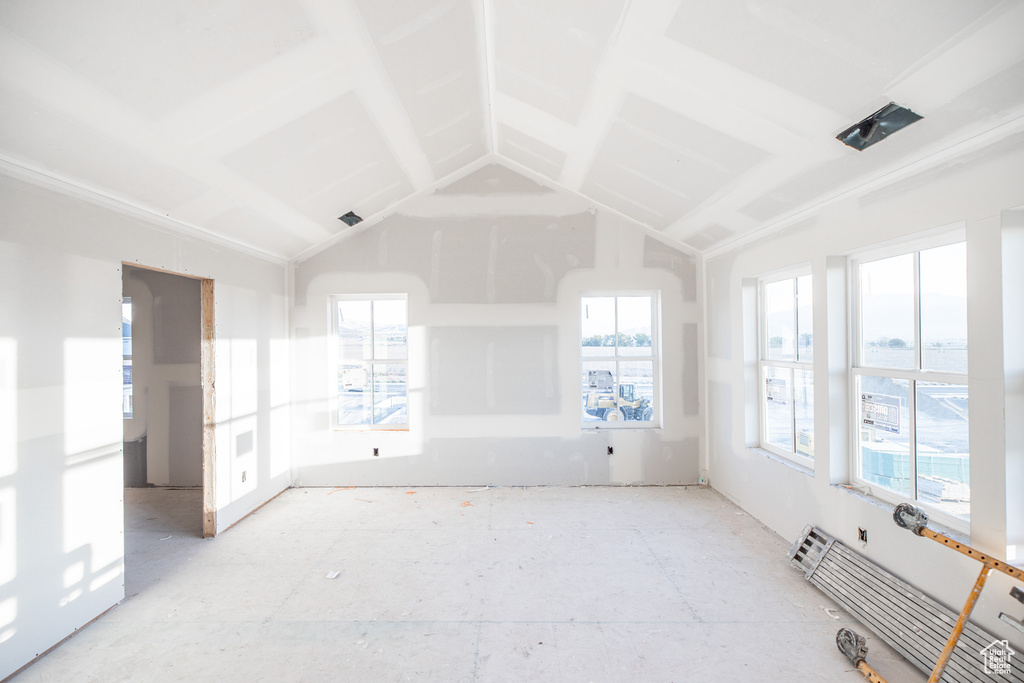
{"points": [[875, 128], [350, 218]]}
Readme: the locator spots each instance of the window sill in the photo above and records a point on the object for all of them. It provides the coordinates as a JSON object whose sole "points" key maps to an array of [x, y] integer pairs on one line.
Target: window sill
{"points": [[864, 493], [792, 464]]}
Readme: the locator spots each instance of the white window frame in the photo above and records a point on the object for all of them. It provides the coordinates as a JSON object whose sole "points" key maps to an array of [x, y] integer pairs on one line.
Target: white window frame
{"points": [[764, 363], [859, 369], [334, 361], [654, 357]]}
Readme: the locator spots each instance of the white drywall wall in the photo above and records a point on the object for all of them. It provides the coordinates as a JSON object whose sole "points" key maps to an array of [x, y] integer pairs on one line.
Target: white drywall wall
{"points": [[972, 193], [494, 265], [61, 511]]}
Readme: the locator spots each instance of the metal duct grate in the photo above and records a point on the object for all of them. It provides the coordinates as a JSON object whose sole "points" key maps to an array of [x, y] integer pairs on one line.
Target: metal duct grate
{"points": [[911, 623]]}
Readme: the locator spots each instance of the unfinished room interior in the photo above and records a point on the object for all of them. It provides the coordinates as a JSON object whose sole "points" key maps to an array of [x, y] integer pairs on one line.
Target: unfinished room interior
{"points": [[511, 340]]}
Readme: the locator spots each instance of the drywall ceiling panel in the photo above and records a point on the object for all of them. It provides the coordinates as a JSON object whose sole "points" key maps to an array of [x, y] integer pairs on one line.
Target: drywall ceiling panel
{"points": [[708, 238], [657, 165], [836, 54], [158, 55], [429, 52], [247, 226], [530, 152], [546, 53], [55, 143], [494, 179], [325, 163]]}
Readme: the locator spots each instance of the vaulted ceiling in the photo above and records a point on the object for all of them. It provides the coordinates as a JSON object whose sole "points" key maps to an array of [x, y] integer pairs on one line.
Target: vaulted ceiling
{"points": [[263, 121]]}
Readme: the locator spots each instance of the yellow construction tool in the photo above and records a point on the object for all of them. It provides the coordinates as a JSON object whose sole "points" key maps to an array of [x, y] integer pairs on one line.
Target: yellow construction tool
{"points": [[915, 519]]}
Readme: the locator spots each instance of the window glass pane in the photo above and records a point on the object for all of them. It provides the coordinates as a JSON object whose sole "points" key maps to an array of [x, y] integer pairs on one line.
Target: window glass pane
{"points": [[887, 312], [598, 387], [389, 329], [803, 411], [354, 330], [597, 325], [353, 394], [780, 322], [883, 428], [636, 391], [389, 394], [778, 407], [634, 325], [944, 308], [126, 357], [804, 319], [943, 448]]}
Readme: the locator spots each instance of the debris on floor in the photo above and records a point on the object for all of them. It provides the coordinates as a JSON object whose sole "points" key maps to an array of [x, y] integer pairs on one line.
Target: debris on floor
{"points": [[332, 574]]}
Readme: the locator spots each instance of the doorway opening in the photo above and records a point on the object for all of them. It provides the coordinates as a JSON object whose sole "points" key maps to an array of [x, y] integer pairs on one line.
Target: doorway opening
{"points": [[168, 408]]}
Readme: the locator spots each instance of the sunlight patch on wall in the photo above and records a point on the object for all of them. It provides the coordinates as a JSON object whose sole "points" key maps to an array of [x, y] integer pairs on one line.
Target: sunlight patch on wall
{"points": [[92, 393], [92, 507], [8, 615], [8, 411]]}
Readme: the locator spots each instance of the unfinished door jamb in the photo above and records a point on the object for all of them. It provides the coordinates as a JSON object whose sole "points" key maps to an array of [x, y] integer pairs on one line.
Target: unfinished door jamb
{"points": [[206, 370]]}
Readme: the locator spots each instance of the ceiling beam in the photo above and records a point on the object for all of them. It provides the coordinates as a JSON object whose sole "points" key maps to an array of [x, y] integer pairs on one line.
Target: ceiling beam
{"points": [[341, 20]]}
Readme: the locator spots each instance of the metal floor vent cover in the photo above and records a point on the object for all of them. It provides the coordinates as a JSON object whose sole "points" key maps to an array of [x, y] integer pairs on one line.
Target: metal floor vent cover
{"points": [[909, 621]]}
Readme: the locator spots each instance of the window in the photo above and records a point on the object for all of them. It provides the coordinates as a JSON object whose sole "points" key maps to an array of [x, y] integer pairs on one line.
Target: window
{"points": [[787, 375], [910, 377], [126, 357], [619, 370], [369, 372]]}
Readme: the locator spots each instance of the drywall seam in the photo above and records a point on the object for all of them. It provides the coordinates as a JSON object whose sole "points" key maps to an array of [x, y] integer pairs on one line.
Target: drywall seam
{"points": [[1012, 124], [369, 221], [93, 195], [548, 182], [486, 46]]}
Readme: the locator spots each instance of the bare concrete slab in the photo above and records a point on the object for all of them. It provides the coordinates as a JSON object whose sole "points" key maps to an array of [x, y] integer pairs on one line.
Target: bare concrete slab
{"points": [[455, 584]]}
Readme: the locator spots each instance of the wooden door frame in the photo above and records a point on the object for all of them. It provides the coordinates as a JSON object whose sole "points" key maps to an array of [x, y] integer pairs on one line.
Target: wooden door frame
{"points": [[206, 371], [207, 358]]}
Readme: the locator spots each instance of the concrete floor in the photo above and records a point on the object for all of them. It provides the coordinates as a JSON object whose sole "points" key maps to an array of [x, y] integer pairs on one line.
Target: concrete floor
{"points": [[450, 584]]}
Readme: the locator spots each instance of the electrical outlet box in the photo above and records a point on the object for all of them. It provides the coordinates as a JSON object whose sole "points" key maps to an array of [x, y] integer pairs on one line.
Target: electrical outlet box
{"points": [[862, 535], [610, 450], [376, 452]]}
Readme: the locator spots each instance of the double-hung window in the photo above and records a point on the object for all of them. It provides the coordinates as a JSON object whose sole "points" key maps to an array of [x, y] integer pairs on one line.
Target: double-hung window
{"points": [[619, 351], [910, 377], [786, 371], [369, 373]]}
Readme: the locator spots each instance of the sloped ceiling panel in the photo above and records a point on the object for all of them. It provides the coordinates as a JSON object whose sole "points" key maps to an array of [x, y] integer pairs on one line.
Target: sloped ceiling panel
{"points": [[156, 56], [262, 121], [430, 53], [657, 165], [326, 163], [547, 52], [838, 54]]}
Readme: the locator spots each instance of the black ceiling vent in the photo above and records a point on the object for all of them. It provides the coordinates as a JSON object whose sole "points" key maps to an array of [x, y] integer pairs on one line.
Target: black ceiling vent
{"points": [[350, 218], [878, 126]]}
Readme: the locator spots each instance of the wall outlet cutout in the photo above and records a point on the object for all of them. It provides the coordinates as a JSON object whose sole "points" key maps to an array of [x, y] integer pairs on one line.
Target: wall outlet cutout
{"points": [[862, 535], [610, 450], [376, 452], [243, 476]]}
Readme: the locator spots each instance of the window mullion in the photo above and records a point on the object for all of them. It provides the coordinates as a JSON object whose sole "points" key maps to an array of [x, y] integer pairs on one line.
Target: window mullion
{"points": [[792, 406], [912, 438], [917, 310], [373, 355]]}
